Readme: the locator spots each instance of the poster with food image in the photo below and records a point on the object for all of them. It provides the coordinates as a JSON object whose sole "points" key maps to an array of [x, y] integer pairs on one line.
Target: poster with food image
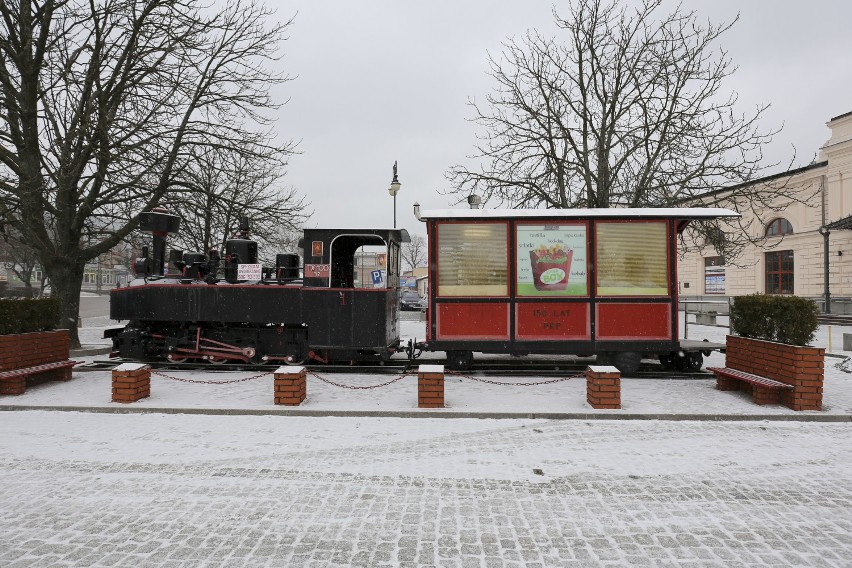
{"points": [[551, 260]]}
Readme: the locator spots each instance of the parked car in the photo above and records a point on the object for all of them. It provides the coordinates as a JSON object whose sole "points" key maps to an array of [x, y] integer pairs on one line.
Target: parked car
{"points": [[411, 301]]}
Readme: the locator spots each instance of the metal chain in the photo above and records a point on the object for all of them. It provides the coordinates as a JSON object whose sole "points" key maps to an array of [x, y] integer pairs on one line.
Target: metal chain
{"points": [[353, 387], [251, 378], [399, 378], [508, 384]]}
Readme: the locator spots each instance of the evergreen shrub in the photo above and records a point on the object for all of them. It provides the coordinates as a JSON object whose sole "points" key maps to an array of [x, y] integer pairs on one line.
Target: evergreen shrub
{"points": [[785, 319], [28, 315]]}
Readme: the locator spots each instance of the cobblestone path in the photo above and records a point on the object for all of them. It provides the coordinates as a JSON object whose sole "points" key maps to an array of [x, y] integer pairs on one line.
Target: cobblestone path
{"points": [[455, 493]]}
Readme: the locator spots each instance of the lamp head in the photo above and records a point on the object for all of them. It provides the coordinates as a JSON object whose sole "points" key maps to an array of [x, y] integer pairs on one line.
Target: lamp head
{"points": [[395, 185]]}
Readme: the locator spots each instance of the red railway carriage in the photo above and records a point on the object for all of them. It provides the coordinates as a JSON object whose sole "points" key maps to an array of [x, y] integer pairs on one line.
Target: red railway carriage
{"points": [[581, 282]]}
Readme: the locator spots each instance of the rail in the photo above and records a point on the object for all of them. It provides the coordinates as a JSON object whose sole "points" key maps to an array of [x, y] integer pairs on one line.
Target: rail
{"points": [[711, 319]]}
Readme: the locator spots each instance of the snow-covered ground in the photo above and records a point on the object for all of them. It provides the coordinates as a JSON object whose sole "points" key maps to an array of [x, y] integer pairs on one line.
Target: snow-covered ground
{"points": [[161, 489]]}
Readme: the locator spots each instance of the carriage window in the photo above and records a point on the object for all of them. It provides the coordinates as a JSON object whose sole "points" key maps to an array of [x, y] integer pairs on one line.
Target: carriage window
{"points": [[370, 270], [472, 259], [632, 259]]}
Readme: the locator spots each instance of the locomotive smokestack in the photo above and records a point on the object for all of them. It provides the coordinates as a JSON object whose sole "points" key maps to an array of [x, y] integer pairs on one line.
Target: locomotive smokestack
{"points": [[160, 222]]}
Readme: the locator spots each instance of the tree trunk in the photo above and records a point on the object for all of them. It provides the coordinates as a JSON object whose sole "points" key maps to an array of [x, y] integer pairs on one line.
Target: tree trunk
{"points": [[66, 280]]}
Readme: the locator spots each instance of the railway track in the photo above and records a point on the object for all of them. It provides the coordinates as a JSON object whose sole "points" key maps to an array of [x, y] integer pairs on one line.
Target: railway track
{"points": [[485, 367]]}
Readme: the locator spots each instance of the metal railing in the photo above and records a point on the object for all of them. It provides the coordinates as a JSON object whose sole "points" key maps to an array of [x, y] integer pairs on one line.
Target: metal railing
{"points": [[700, 314]]}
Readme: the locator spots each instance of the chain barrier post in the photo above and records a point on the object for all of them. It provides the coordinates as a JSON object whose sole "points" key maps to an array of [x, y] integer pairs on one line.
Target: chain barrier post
{"points": [[603, 386], [131, 382], [291, 385], [430, 386]]}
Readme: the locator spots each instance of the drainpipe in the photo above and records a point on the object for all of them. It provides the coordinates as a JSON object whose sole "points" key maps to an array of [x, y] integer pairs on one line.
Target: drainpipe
{"points": [[823, 230]]}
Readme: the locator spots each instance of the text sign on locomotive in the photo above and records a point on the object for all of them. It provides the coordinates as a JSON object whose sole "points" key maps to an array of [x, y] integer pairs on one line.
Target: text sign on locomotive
{"points": [[317, 270], [249, 272]]}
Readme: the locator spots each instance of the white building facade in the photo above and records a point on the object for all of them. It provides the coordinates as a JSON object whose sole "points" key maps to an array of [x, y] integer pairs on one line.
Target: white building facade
{"points": [[793, 257]]}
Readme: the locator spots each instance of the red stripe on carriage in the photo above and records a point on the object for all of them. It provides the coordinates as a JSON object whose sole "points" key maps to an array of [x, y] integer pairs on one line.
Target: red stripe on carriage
{"points": [[473, 321], [633, 321]]}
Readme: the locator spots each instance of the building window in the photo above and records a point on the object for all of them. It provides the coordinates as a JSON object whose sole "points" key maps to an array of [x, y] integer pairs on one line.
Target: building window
{"points": [[714, 275], [779, 272], [779, 227]]}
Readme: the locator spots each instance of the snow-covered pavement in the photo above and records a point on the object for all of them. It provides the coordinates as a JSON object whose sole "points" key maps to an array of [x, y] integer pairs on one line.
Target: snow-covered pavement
{"points": [[178, 489]]}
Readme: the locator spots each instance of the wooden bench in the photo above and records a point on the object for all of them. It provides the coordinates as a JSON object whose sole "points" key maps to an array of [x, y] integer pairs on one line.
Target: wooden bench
{"points": [[15, 380], [763, 390]]}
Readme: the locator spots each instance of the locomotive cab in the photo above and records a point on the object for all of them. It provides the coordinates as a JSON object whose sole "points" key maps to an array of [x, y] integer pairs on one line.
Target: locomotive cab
{"points": [[351, 285]]}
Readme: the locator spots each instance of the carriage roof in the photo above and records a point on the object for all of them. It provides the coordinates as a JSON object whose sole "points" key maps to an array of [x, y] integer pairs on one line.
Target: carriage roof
{"points": [[683, 213]]}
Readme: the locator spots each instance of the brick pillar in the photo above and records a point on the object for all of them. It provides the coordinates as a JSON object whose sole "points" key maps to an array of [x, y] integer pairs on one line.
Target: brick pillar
{"points": [[603, 386], [16, 385], [430, 386], [131, 382], [291, 385], [807, 380]]}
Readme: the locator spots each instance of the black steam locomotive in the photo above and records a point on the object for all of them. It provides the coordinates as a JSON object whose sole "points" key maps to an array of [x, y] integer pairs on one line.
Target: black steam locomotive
{"points": [[192, 306]]}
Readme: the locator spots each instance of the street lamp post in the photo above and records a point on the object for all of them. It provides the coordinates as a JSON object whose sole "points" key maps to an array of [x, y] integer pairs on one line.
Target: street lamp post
{"points": [[393, 189]]}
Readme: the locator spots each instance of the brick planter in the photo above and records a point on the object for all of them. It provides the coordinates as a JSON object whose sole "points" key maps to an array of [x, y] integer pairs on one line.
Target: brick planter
{"points": [[21, 350], [430, 386], [131, 382], [291, 385], [799, 366], [603, 387]]}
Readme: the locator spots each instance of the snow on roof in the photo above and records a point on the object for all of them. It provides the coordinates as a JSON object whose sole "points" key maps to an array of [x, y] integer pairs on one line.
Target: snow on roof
{"points": [[618, 213]]}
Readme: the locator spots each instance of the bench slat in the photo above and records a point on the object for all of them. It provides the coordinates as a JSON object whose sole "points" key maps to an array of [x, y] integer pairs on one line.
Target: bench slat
{"points": [[749, 378], [36, 369]]}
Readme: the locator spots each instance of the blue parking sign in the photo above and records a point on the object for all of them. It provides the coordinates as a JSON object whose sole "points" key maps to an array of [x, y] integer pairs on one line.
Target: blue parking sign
{"points": [[377, 278]]}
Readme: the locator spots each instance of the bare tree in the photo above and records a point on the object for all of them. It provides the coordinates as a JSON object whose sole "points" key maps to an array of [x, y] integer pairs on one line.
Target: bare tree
{"points": [[414, 252], [104, 104], [626, 109], [226, 185]]}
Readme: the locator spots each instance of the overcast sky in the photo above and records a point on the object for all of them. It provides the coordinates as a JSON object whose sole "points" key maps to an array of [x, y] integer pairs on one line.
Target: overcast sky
{"points": [[382, 80]]}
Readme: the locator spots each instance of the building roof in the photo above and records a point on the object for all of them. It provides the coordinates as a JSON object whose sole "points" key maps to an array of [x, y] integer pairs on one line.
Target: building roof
{"points": [[844, 115], [840, 224]]}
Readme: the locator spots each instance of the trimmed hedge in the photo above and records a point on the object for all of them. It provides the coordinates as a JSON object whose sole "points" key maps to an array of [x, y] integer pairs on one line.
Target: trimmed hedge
{"points": [[28, 315], [785, 319]]}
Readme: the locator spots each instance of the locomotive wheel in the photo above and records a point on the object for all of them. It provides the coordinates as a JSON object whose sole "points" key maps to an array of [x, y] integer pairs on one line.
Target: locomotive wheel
{"points": [[627, 362], [668, 361], [217, 360], [689, 362], [459, 360]]}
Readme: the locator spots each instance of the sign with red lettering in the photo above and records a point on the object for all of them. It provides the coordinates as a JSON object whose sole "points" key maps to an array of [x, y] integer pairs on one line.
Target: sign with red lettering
{"points": [[552, 320], [317, 270]]}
